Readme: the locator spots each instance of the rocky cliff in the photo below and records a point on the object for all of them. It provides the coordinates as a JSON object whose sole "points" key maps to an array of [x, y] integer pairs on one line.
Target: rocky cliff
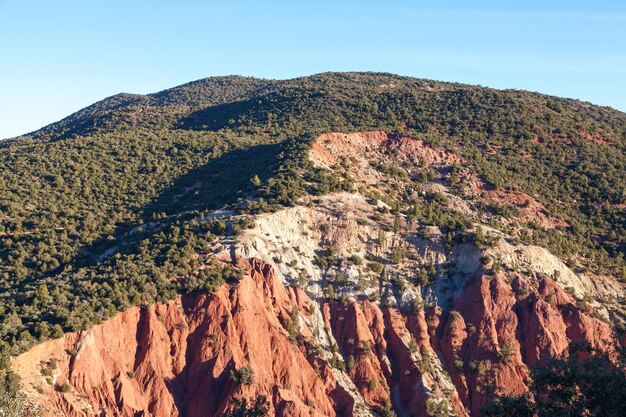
{"points": [[189, 356]]}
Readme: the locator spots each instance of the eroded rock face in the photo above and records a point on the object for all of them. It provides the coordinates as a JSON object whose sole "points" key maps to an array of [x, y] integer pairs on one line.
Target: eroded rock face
{"points": [[504, 323], [176, 358]]}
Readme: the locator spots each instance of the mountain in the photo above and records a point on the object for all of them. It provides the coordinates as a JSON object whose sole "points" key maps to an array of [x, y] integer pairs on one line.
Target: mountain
{"points": [[341, 244]]}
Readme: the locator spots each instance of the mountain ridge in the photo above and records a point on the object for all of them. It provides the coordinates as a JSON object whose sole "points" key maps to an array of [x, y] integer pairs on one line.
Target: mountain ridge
{"points": [[199, 90], [400, 193]]}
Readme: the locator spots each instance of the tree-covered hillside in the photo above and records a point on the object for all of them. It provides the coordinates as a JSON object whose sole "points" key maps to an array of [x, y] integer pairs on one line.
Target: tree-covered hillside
{"points": [[101, 210]]}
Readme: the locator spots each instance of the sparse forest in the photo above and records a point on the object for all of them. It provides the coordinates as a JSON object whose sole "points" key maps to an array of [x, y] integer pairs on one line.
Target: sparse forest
{"points": [[100, 210]]}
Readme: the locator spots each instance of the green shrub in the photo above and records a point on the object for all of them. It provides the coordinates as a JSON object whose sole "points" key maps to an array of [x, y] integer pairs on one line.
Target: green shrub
{"points": [[376, 267], [242, 376], [65, 387]]}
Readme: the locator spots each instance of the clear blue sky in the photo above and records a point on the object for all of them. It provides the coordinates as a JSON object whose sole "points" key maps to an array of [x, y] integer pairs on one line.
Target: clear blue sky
{"points": [[59, 56]]}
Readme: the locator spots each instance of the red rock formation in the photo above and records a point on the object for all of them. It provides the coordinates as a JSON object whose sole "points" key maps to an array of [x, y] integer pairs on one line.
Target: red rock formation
{"points": [[359, 331], [503, 323], [392, 350], [176, 358], [415, 378]]}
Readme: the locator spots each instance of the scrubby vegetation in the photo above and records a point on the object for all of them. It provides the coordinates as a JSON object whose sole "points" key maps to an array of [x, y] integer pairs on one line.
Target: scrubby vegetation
{"points": [[104, 209], [581, 382], [243, 376], [248, 408], [12, 402]]}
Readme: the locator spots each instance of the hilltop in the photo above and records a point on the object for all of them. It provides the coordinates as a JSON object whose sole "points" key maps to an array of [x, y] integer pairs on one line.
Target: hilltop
{"points": [[399, 213]]}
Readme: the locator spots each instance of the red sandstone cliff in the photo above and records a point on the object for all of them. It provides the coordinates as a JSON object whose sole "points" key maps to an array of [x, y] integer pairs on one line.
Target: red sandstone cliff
{"points": [[176, 358]]}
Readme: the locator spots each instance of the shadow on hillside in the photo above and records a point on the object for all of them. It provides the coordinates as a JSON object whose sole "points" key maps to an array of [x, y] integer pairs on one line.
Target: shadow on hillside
{"points": [[220, 116], [220, 182], [296, 105]]}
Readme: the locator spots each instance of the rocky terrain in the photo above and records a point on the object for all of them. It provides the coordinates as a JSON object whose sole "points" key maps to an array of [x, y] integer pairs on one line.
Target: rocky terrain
{"points": [[342, 309]]}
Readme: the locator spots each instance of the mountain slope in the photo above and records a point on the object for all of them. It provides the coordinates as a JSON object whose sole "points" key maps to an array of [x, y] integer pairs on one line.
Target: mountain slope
{"points": [[376, 194]]}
